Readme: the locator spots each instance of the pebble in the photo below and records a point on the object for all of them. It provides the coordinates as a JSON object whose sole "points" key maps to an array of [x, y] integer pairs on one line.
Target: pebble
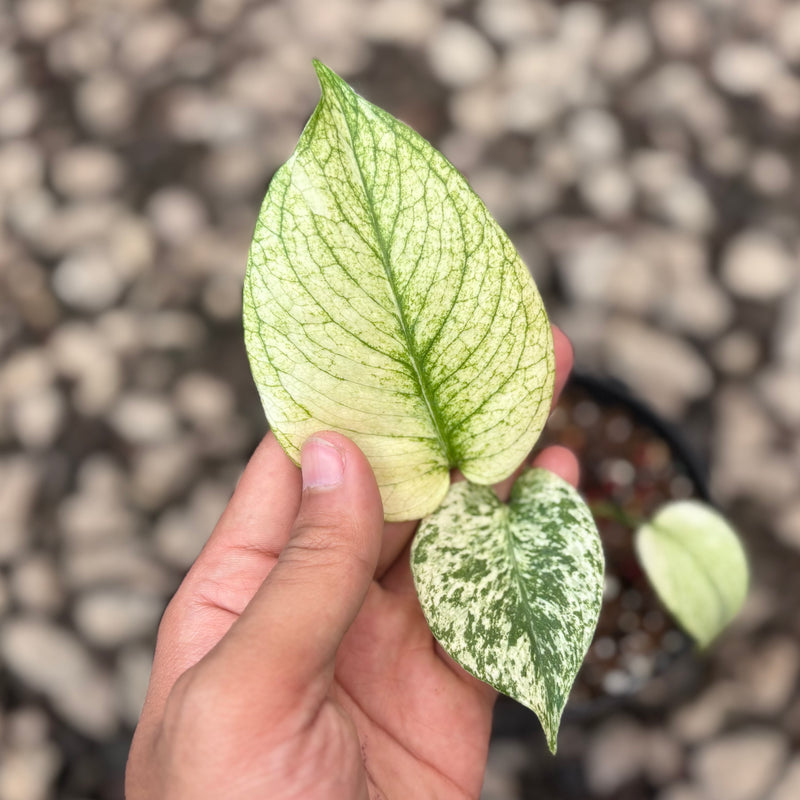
{"points": [[745, 68], [737, 353], [786, 341], [143, 418], [19, 483], [681, 791], [131, 247], [742, 425], [616, 755], [79, 51], [36, 585], [29, 773], [84, 357], [787, 32], [740, 766], [700, 308], [402, 22], [625, 50], [787, 526], [37, 418], [782, 98], [162, 470], [38, 20], [594, 136], [477, 111], [685, 203], [10, 70], [123, 563], [507, 21], [21, 167], [50, 660], [20, 111], [87, 171], [789, 786], [108, 618], [770, 173], [203, 399], [134, 665], [176, 214], [97, 511], [780, 390], [757, 266], [608, 191], [506, 759], [151, 41], [88, 281], [181, 532], [665, 371], [239, 169], [580, 27], [767, 676], [459, 55], [105, 103], [680, 26]]}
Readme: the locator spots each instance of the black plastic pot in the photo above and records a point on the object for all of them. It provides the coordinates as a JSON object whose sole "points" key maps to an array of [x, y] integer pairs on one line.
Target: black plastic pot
{"points": [[632, 462]]}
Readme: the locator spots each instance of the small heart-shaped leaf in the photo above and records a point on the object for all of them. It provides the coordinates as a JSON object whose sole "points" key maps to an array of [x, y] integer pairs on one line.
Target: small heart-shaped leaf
{"points": [[513, 592], [697, 566]]}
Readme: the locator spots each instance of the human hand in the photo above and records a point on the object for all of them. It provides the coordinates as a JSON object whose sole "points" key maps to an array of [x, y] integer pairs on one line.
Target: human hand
{"points": [[295, 662]]}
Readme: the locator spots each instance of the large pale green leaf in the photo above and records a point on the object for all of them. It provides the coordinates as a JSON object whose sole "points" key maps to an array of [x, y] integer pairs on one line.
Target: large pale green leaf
{"points": [[383, 301], [513, 592], [696, 564]]}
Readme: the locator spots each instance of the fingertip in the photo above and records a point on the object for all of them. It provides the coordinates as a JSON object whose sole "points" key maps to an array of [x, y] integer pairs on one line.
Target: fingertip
{"points": [[322, 463], [561, 461], [331, 460]]}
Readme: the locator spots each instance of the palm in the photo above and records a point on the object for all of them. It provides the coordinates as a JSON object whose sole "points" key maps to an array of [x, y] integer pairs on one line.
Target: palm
{"points": [[423, 723]]}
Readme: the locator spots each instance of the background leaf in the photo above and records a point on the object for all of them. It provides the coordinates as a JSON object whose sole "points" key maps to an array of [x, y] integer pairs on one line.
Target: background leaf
{"points": [[513, 592], [383, 301], [696, 564]]}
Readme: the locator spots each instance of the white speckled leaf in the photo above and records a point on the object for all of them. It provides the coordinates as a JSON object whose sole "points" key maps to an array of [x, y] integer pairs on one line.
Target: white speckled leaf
{"points": [[383, 301], [513, 592], [697, 566]]}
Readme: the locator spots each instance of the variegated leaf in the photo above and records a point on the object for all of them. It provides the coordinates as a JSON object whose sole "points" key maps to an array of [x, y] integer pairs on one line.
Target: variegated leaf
{"points": [[383, 301], [513, 592], [696, 564]]}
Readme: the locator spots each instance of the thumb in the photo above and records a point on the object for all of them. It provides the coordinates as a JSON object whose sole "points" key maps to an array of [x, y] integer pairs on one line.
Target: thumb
{"points": [[289, 633]]}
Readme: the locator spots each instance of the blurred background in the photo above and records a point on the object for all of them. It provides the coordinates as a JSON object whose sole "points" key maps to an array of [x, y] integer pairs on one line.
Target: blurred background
{"points": [[643, 156]]}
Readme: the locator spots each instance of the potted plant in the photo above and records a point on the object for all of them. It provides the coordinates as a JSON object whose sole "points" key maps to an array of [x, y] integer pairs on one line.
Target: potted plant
{"points": [[382, 300]]}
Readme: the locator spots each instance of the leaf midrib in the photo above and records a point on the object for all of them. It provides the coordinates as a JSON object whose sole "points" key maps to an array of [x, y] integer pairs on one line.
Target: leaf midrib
{"points": [[421, 379], [505, 524]]}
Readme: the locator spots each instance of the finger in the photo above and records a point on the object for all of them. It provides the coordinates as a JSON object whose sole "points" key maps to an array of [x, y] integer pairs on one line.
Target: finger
{"points": [[289, 634], [560, 460], [260, 513], [226, 575]]}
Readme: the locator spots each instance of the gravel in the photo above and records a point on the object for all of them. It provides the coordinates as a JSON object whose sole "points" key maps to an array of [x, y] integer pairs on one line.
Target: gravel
{"points": [[740, 766], [52, 661]]}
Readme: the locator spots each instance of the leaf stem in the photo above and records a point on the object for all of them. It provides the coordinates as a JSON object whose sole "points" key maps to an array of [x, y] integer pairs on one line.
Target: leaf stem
{"points": [[607, 509]]}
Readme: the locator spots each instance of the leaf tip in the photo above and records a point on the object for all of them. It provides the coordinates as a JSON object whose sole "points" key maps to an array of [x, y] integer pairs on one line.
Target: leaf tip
{"points": [[325, 75]]}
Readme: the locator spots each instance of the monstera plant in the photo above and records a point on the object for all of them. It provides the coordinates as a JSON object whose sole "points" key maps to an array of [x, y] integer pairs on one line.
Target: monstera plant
{"points": [[383, 301]]}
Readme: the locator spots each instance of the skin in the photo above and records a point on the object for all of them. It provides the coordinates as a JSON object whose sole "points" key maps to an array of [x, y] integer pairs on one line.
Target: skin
{"points": [[295, 662]]}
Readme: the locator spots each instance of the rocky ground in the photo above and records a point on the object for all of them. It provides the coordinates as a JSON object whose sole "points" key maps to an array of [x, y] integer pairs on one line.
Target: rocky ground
{"points": [[642, 155]]}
